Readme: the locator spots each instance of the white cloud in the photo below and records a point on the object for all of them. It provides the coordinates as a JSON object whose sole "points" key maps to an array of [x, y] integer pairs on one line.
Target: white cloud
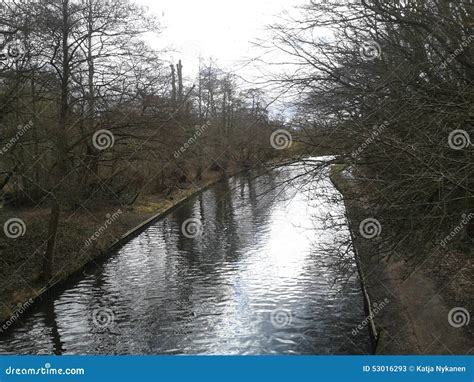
{"points": [[223, 30]]}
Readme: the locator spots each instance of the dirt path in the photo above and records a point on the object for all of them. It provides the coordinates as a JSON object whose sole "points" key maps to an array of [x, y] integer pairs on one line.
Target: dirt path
{"points": [[417, 321], [420, 295]]}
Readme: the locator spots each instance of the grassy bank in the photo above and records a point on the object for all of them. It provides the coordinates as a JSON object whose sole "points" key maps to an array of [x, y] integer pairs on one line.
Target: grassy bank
{"points": [[411, 294], [85, 234]]}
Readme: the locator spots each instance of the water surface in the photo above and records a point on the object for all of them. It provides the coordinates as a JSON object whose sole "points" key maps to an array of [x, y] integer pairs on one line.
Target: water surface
{"points": [[254, 281]]}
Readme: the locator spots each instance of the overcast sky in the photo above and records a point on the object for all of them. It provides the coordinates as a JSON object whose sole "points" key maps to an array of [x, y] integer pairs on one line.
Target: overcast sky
{"points": [[220, 29]]}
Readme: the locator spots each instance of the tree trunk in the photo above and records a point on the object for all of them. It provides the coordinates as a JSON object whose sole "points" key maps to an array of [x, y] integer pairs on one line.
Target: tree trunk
{"points": [[61, 147]]}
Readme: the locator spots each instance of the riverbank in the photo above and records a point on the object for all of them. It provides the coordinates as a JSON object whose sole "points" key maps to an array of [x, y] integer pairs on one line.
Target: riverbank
{"points": [[420, 295], [85, 235]]}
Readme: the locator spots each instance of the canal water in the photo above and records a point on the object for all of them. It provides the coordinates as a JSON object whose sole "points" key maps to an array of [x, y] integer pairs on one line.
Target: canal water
{"points": [[248, 266]]}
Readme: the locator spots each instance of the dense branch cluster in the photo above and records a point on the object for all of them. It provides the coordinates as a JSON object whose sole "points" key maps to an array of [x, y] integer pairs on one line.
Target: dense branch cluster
{"points": [[388, 86]]}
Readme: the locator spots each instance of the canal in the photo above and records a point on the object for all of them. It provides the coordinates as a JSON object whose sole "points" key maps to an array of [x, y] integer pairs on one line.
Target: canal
{"points": [[248, 266]]}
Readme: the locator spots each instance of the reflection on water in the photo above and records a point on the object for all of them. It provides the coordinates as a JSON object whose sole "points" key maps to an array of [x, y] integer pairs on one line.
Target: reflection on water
{"points": [[253, 282]]}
